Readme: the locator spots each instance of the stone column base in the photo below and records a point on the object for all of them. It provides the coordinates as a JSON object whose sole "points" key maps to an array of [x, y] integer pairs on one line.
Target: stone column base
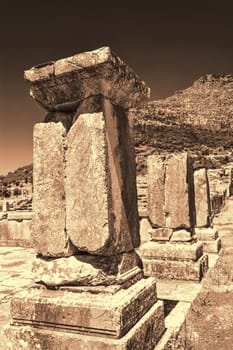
{"points": [[145, 334], [187, 270], [87, 319], [212, 246], [209, 237]]}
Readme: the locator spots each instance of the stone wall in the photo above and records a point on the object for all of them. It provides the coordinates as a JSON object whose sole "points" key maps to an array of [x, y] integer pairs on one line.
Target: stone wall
{"points": [[15, 228]]}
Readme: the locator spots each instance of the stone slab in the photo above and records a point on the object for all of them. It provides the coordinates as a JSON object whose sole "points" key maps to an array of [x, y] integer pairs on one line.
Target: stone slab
{"points": [[161, 234], [4, 230], [177, 290], [212, 246], [100, 184], [85, 313], [19, 215], [181, 236], [175, 335], [144, 335], [86, 270], [143, 213], [48, 223], [156, 189], [145, 229], [63, 84], [206, 233], [188, 270], [170, 191], [202, 198], [154, 250], [179, 196]]}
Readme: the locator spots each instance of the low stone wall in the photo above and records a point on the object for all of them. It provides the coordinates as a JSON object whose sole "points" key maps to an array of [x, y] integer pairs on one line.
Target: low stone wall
{"points": [[15, 228]]}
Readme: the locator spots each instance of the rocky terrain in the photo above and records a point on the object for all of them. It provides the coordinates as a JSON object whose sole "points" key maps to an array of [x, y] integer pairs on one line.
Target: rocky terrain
{"points": [[16, 188], [198, 119]]}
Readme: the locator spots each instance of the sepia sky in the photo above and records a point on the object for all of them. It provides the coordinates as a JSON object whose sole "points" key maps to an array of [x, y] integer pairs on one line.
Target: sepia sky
{"points": [[169, 44]]}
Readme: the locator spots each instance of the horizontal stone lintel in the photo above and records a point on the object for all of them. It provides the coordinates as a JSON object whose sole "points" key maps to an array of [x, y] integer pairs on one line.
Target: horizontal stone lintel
{"points": [[63, 84]]}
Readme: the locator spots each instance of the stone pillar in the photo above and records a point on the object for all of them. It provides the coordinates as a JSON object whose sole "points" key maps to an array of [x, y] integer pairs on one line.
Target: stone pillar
{"points": [[172, 252], [90, 292], [204, 229]]}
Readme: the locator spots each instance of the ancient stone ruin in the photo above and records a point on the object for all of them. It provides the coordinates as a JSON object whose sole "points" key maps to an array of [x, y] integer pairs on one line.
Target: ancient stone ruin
{"points": [[90, 292], [204, 230], [172, 252]]}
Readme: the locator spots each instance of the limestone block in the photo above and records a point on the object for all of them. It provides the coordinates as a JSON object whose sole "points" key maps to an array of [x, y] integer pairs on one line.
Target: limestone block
{"points": [[20, 230], [188, 270], [154, 250], [63, 84], [48, 223], [202, 198], [179, 201], [145, 228], [206, 233], [212, 246], [19, 215], [85, 269], [161, 234], [145, 334], [156, 189], [4, 231], [100, 314], [100, 184], [170, 191], [181, 236]]}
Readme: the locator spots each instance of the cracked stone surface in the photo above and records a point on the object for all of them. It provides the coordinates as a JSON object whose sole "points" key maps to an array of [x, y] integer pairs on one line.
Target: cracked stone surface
{"points": [[63, 84]]}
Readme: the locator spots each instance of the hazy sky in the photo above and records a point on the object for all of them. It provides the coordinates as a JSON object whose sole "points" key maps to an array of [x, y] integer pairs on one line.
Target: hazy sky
{"points": [[168, 43]]}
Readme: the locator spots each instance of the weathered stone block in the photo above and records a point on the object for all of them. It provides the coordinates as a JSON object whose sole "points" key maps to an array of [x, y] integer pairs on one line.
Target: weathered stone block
{"points": [[100, 185], [48, 223], [86, 270], [156, 189], [154, 250], [144, 335], [202, 198], [4, 230], [161, 234], [206, 233], [212, 246], [100, 314], [181, 236], [145, 228], [170, 191], [63, 84], [19, 230], [19, 215], [176, 269]]}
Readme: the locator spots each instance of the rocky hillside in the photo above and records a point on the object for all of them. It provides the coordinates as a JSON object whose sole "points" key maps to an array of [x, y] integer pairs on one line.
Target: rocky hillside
{"points": [[197, 119], [21, 175]]}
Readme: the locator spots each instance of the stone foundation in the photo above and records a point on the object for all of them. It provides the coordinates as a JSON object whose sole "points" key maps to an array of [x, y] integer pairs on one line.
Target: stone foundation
{"points": [[145, 334], [209, 237]]}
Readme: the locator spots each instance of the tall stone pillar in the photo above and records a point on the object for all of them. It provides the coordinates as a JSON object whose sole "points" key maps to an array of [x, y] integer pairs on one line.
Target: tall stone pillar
{"points": [[90, 292], [204, 229], [172, 252]]}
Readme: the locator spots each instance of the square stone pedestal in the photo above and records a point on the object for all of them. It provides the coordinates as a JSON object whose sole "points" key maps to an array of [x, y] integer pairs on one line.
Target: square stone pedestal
{"points": [[115, 318], [209, 238], [174, 260]]}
